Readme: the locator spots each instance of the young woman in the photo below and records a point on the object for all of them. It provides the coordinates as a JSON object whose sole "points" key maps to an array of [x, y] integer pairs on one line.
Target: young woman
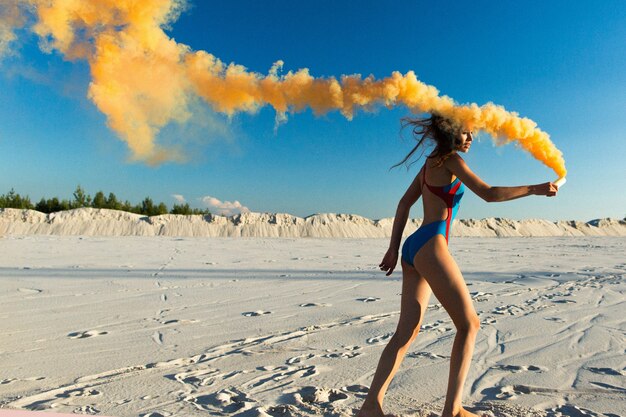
{"points": [[427, 266]]}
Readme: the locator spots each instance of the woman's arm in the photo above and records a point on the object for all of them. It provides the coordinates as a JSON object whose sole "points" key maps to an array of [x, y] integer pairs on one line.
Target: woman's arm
{"points": [[412, 194], [458, 167]]}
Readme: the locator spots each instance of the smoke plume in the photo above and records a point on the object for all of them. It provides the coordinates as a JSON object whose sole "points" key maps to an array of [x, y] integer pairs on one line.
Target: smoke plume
{"points": [[142, 79], [11, 18]]}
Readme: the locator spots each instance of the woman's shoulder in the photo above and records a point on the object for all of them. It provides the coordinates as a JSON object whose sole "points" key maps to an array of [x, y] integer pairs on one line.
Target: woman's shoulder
{"points": [[454, 162], [454, 158]]}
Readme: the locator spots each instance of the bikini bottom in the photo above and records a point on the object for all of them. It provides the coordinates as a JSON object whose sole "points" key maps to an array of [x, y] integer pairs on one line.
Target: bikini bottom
{"points": [[414, 243]]}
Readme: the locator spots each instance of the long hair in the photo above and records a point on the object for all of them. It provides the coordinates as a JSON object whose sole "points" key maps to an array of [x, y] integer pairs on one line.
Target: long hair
{"points": [[441, 131]]}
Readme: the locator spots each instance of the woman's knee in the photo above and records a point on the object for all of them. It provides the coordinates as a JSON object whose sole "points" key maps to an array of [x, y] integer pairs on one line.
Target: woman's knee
{"points": [[402, 342], [405, 335], [470, 325]]}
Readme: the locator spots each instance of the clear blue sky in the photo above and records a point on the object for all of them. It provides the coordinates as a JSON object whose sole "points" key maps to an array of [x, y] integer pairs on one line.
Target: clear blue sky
{"points": [[561, 63]]}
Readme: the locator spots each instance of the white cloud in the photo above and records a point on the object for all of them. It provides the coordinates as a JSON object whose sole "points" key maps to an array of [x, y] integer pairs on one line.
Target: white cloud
{"points": [[179, 198], [223, 208]]}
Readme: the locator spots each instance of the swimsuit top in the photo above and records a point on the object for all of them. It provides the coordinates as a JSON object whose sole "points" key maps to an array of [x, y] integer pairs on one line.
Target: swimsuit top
{"points": [[451, 194]]}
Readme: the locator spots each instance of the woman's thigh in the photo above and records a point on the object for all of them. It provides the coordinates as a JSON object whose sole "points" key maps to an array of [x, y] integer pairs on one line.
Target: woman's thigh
{"points": [[437, 266], [414, 300]]}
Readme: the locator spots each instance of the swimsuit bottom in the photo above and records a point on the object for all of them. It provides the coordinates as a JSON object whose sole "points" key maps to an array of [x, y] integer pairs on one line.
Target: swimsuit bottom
{"points": [[414, 243]]}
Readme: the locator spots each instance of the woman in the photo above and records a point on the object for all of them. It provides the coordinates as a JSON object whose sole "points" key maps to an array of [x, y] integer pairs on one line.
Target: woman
{"points": [[427, 266]]}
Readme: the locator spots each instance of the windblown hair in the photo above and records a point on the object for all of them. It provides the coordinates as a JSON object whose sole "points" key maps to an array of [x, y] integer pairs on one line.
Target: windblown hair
{"points": [[441, 131]]}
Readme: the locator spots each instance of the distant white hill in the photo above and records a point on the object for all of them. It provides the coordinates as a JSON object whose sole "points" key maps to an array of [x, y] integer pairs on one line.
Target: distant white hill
{"points": [[104, 222]]}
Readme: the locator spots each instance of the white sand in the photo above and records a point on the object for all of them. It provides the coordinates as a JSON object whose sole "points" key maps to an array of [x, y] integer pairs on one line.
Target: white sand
{"points": [[153, 326]]}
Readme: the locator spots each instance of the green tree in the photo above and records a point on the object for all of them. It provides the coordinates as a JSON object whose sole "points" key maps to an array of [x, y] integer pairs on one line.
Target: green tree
{"points": [[181, 209], [99, 201], [42, 206], [52, 205], [161, 209], [80, 198], [14, 200], [147, 207], [126, 206], [113, 204]]}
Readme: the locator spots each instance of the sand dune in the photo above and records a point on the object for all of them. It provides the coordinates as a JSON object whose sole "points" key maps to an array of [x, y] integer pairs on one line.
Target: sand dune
{"points": [[103, 222]]}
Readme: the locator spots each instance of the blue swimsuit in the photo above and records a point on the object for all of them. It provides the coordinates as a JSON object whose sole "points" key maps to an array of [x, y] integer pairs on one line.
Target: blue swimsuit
{"points": [[451, 194]]}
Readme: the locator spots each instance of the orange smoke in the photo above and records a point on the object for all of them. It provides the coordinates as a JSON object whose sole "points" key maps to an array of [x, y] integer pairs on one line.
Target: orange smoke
{"points": [[143, 79], [10, 18]]}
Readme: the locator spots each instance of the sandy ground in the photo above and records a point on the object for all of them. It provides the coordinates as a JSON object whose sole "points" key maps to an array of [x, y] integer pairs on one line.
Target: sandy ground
{"points": [[138, 326]]}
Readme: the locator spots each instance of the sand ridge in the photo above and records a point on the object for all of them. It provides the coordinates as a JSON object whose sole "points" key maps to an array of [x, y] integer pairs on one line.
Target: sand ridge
{"points": [[105, 222]]}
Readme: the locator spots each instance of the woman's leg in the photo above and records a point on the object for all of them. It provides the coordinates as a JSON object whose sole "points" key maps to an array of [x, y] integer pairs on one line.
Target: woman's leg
{"points": [[447, 283], [414, 300]]}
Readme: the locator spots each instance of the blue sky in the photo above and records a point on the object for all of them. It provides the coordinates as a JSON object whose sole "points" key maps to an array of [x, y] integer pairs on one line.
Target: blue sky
{"points": [[561, 63]]}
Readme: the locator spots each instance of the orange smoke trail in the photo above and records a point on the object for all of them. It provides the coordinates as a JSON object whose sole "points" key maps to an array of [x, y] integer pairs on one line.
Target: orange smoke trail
{"points": [[10, 18], [143, 80]]}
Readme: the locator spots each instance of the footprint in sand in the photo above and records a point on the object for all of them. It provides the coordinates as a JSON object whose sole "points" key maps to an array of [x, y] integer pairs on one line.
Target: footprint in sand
{"points": [[79, 393], [30, 290], [176, 321], [86, 409], [315, 305], [554, 319], [609, 387], [255, 313], [428, 355], [300, 359], [356, 389], [434, 326], [507, 393], [511, 310], [368, 299], [198, 378], [273, 368], [320, 396], [516, 368], [279, 410], [606, 371], [344, 355], [480, 296], [157, 337], [279, 373], [379, 339], [226, 401], [85, 334], [35, 378], [575, 411]]}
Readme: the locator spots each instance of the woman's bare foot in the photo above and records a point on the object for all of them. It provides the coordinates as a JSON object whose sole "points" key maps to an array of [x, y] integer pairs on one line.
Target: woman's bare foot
{"points": [[462, 413], [371, 411]]}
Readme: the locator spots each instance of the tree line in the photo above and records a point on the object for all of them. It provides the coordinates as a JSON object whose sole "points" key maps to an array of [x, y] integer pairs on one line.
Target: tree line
{"points": [[80, 199]]}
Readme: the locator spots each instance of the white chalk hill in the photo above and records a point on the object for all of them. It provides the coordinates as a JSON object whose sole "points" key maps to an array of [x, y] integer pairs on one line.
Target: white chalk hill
{"points": [[104, 222]]}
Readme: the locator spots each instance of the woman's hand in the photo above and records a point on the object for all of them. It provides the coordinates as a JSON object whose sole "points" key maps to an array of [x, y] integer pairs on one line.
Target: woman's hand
{"points": [[389, 261], [549, 189]]}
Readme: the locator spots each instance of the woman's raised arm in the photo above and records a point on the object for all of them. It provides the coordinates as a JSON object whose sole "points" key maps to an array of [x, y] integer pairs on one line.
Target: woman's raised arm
{"points": [[458, 167]]}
